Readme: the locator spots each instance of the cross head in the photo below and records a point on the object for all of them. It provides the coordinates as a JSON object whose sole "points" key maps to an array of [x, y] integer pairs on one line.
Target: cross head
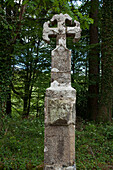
{"points": [[61, 30]]}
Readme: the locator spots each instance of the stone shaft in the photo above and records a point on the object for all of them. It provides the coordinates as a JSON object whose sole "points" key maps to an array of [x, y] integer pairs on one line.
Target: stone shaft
{"points": [[61, 65]]}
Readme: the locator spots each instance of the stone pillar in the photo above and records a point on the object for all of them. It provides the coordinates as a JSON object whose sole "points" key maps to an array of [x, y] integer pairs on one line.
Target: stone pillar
{"points": [[59, 151]]}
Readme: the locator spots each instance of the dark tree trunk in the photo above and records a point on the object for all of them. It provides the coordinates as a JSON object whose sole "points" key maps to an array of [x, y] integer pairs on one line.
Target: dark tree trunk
{"points": [[8, 63], [26, 94], [106, 100], [93, 64], [73, 65], [28, 88]]}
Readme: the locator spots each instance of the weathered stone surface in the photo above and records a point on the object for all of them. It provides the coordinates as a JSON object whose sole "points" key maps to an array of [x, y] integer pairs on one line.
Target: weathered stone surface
{"points": [[60, 144], [60, 90], [61, 59], [61, 77], [61, 65], [71, 168], [57, 167], [59, 151], [61, 29], [59, 111]]}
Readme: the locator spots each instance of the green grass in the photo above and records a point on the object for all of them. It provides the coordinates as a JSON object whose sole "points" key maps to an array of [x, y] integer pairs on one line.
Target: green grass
{"points": [[22, 144], [94, 146]]}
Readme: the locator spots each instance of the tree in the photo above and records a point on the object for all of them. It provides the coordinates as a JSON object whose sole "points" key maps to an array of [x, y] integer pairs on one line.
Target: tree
{"points": [[27, 48], [106, 100], [30, 59], [93, 89], [5, 59]]}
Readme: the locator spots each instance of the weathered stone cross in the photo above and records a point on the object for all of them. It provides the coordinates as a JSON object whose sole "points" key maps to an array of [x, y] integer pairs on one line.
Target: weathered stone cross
{"points": [[59, 151], [61, 30]]}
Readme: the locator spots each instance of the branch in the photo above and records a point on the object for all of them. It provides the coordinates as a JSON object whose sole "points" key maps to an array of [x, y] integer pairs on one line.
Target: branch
{"points": [[16, 92], [22, 11], [15, 108]]}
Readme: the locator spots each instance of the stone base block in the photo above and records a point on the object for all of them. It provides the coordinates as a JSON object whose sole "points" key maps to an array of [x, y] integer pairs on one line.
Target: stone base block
{"points": [[49, 167], [59, 146]]}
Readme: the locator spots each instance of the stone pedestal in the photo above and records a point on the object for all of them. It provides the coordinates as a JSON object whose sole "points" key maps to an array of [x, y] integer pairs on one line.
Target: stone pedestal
{"points": [[59, 151]]}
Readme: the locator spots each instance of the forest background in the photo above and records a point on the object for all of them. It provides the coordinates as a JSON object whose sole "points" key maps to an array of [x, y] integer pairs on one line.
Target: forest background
{"points": [[25, 60]]}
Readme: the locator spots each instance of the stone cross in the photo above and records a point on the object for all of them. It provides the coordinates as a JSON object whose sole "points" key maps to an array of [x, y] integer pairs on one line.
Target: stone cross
{"points": [[59, 151], [61, 30]]}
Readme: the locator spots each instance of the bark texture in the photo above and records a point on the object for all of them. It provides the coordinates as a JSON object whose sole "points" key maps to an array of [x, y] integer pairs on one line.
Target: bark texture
{"points": [[93, 64]]}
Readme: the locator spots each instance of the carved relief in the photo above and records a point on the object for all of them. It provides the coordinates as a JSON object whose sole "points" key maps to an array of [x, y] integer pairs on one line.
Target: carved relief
{"points": [[61, 111]]}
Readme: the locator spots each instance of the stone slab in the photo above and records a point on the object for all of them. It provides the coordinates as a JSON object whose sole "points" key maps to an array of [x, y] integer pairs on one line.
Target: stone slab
{"points": [[59, 145]]}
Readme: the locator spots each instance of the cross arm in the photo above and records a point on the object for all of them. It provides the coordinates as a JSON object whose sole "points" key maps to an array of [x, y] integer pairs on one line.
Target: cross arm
{"points": [[75, 31], [48, 32]]}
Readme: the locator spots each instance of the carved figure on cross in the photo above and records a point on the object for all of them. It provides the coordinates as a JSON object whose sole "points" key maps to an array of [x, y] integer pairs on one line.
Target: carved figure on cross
{"points": [[62, 30]]}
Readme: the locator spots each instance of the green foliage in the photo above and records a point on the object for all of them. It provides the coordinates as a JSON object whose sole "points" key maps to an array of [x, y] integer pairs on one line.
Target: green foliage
{"points": [[82, 16], [21, 38], [21, 143], [94, 146], [5, 54], [84, 20]]}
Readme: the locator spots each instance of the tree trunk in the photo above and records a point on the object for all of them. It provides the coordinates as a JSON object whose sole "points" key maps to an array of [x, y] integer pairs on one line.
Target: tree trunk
{"points": [[93, 89], [106, 107], [73, 65], [8, 62], [26, 94]]}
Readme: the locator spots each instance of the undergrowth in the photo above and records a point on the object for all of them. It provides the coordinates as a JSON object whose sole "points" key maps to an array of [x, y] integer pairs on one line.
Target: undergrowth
{"points": [[94, 146], [22, 145]]}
